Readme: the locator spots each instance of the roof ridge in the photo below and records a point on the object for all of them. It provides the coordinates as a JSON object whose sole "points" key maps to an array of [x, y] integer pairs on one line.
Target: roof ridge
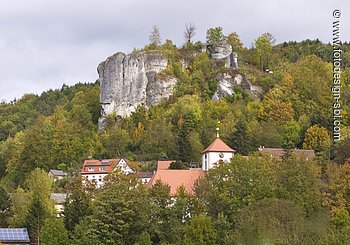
{"points": [[218, 145]]}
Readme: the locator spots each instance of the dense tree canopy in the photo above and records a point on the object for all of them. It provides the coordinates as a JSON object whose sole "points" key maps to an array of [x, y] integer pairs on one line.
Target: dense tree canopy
{"points": [[250, 200]]}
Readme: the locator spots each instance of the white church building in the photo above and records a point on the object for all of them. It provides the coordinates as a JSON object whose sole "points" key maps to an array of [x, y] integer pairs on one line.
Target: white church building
{"points": [[216, 152]]}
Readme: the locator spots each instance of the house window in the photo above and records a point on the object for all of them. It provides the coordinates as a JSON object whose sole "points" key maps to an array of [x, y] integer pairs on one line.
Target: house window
{"points": [[102, 168], [91, 169]]}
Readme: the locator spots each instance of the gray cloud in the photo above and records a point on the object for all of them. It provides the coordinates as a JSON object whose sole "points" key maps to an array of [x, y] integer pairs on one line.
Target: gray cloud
{"points": [[44, 44]]}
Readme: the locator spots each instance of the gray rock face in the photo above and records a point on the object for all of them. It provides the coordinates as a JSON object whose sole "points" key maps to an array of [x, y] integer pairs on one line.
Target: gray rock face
{"points": [[223, 53], [233, 60], [127, 81], [227, 82]]}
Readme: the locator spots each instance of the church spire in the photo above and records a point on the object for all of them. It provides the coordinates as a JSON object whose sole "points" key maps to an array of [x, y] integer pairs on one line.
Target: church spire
{"points": [[218, 129]]}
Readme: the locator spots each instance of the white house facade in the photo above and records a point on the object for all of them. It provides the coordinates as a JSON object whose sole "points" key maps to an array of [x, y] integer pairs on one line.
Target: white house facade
{"points": [[97, 170]]}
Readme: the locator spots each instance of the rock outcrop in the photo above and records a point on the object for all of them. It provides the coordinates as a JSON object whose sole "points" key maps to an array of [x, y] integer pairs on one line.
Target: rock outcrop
{"points": [[131, 80], [227, 82], [222, 52], [127, 81]]}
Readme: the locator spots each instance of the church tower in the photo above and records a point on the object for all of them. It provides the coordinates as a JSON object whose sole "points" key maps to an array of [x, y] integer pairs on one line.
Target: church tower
{"points": [[216, 151]]}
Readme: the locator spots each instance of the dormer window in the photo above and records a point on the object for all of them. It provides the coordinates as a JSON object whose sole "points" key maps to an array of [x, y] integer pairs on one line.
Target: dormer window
{"points": [[102, 168], [91, 169]]}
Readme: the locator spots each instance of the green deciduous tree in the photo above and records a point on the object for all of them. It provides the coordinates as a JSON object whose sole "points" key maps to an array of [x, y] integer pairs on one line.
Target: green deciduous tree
{"points": [[40, 207], [276, 108], [309, 90], [78, 203], [266, 134], [159, 140], [114, 142], [39, 184], [342, 151], [5, 202], [318, 139], [272, 221], [5, 205], [235, 42], [215, 35], [337, 187], [36, 145], [263, 49], [53, 232], [160, 213], [144, 239], [119, 213], [291, 134], [19, 209], [200, 231], [338, 232], [232, 186], [82, 233], [224, 230], [298, 180]]}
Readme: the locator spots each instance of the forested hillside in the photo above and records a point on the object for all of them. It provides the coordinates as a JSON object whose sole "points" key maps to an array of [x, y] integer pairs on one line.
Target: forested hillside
{"points": [[255, 200]]}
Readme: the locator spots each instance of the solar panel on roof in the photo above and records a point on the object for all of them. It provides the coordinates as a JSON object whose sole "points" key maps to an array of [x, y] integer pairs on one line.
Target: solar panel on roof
{"points": [[14, 234]]}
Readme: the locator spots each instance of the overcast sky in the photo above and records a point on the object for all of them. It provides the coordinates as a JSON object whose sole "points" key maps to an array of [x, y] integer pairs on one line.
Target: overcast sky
{"points": [[45, 43]]}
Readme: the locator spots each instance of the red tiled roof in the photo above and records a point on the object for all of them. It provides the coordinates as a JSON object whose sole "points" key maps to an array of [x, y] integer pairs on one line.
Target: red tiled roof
{"points": [[273, 151], [164, 164], [108, 164], [310, 154], [176, 178], [219, 146], [304, 153]]}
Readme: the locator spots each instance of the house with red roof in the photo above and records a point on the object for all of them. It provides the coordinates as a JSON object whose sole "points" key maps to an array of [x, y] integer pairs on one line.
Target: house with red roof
{"points": [[176, 178], [279, 152], [164, 164], [97, 170]]}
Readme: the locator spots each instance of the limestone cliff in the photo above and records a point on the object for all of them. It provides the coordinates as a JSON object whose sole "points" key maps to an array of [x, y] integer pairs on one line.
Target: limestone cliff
{"points": [[127, 81], [130, 80], [227, 82]]}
